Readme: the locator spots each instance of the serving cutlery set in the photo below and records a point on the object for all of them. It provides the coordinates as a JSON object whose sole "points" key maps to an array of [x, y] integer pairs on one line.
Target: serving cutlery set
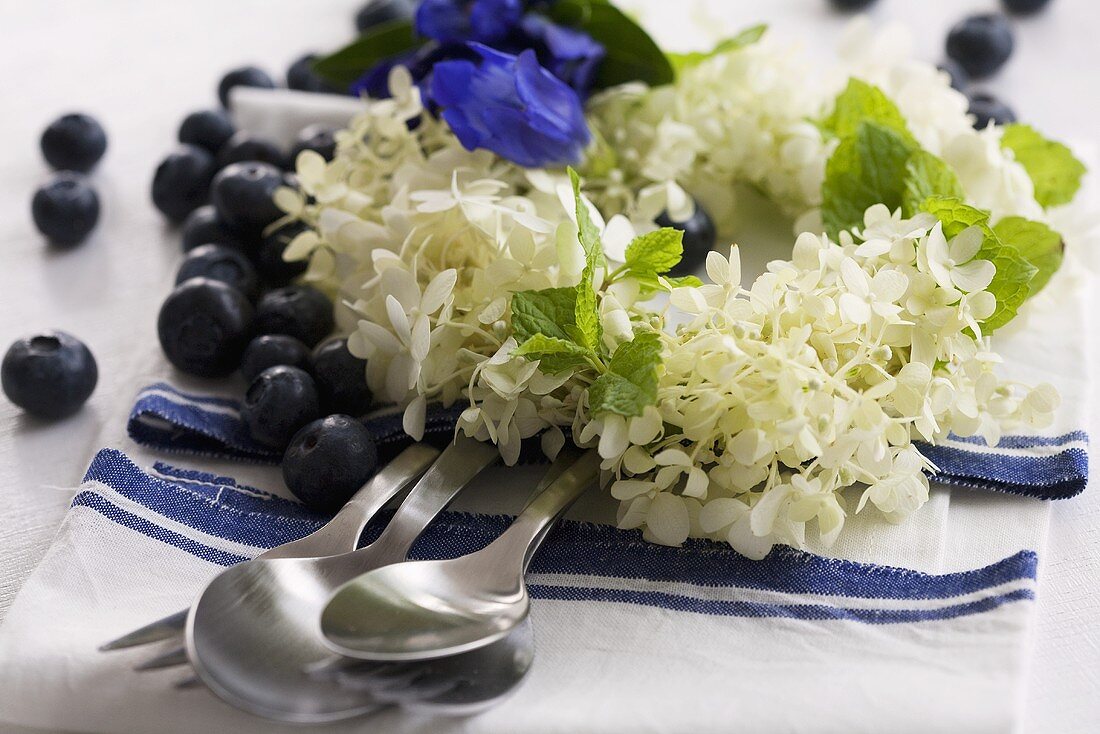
{"points": [[315, 630]]}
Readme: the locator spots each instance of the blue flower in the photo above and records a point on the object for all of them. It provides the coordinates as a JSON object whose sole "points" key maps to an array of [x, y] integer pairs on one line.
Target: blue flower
{"points": [[506, 25], [571, 55], [512, 106], [457, 21]]}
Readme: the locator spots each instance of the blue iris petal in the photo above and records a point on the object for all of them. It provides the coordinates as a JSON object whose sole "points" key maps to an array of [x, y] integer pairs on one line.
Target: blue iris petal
{"points": [[512, 106]]}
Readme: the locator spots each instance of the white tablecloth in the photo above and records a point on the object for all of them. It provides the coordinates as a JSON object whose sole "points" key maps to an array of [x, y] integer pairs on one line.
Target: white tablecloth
{"points": [[140, 66]]}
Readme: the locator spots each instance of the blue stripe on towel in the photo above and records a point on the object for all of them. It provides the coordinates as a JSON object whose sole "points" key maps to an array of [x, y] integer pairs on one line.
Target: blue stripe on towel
{"points": [[218, 507], [681, 603], [168, 419]]}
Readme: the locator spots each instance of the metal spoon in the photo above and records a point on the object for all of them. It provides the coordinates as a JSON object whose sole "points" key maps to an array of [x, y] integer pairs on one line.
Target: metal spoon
{"points": [[428, 609], [252, 636]]}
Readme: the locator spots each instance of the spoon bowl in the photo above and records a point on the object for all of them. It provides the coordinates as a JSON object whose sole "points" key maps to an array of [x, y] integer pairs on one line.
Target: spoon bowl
{"points": [[423, 609], [427, 609]]}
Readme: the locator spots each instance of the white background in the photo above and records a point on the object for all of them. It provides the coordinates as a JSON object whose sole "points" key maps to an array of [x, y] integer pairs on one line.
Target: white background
{"points": [[140, 65]]}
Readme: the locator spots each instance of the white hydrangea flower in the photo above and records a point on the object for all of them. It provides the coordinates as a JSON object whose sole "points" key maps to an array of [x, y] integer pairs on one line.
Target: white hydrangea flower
{"points": [[773, 396]]}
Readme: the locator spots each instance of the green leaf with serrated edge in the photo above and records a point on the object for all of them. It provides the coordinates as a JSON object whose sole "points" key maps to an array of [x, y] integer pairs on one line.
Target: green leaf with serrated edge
{"points": [[1011, 283], [381, 42], [553, 354], [685, 281], [867, 168], [861, 102], [655, 252], [630, 383], [1053, 169], [587, 310], [747, 37], [1037, 243], [550, 312], [631, 55], [927, 175], [587, 231]]}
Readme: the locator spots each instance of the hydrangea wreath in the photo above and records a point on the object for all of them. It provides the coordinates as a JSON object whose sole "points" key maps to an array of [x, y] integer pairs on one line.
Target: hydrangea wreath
{"points": [[472, 265]]}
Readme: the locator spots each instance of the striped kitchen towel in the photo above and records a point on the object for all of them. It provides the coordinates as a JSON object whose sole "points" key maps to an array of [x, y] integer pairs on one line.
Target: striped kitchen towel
{"points": [[630, 636]]}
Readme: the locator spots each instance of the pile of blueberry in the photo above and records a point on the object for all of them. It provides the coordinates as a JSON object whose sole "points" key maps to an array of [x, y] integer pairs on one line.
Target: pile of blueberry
{"points": [[977, 47]]}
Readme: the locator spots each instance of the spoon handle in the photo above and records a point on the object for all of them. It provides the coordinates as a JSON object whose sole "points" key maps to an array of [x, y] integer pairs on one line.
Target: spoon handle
{"points": [[457, 466], [524, 536], [341, 533]]}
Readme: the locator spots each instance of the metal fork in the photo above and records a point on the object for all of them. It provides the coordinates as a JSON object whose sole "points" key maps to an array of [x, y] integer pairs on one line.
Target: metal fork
{"points": [[339, 535]]}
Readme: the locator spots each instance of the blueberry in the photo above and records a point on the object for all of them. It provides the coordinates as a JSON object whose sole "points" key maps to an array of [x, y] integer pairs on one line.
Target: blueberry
{"points": [[220, 263], [268, 257], [341, 378], [204, 227], [204, 326], [245, 146], [245, 76], [377, 12], [849, 6], [300, 311], [279, 401], [208, 129], [958, 76], [273, 350], [243, 195], [49, 375], [74, 142], [1024, 7], [319, 138], [981, 44], [988, 109], [328, 461], [181, 183], [301, 76], [65, 209], [700, 236]]}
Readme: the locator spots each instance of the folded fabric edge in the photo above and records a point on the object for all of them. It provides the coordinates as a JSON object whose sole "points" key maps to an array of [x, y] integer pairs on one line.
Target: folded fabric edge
{"points": [[581, 561], [1041, 467]]}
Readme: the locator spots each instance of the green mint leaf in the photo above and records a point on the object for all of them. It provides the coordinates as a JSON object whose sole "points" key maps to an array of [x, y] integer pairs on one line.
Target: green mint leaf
{"points": [[860, 103], [655, 253], [631, 55], [1054, 171], [547, 312], [1037, 243], [343, 67], [1011, 284], [587, 310], [868, 167], [630, 384], [927, 175], [682, 61], [588, 232], [553, 354], [685, 281]]}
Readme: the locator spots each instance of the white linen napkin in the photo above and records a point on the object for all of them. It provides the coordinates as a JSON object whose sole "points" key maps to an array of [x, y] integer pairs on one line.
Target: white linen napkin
{"points": [[629, 636]]}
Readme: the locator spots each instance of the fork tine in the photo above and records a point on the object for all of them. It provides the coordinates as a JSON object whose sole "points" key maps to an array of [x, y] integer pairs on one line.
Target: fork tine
{"points": [[162, 629], [169, 659], [188, 683]]}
